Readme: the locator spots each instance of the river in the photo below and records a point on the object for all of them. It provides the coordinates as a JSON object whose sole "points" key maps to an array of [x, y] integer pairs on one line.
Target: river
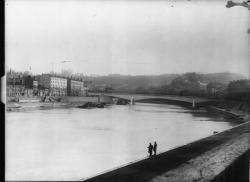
{"points": [[73, 144]]}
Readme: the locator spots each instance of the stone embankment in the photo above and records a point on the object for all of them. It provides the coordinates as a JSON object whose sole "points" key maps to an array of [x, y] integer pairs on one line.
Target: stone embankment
{"points": [[203, 160], [49, 102]]}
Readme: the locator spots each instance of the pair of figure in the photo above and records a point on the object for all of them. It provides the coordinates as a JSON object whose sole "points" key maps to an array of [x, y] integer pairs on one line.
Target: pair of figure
{"points": [[152, 149]]}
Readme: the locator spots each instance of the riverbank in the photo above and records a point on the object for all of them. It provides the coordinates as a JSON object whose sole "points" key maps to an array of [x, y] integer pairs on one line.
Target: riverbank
{"points": [[202, 160], [231, 111], [35, 103], [106, 129], [237, 110], [210, 164]]}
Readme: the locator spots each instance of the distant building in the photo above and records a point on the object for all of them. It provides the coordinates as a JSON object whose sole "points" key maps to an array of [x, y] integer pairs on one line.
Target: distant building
{"points": [[15, 90], [35, 88], [216, 89], [76, 87], [43, 92], [28, 81], [15, 86], [35, 84], [57, 85], [28, 85], [19, 84], [14, 80], [28, 92]]}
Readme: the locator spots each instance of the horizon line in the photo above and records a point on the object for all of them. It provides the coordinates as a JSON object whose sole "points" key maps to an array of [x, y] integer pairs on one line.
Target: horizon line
{"points": [[118, 74]]}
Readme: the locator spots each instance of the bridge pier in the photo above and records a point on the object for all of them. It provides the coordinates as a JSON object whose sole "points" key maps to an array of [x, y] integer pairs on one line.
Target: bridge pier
{"points": [[132, 101], [193, 104]]}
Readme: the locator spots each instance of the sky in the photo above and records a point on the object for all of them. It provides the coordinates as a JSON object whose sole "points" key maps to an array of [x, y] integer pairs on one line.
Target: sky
{"points": [[132, 37]]}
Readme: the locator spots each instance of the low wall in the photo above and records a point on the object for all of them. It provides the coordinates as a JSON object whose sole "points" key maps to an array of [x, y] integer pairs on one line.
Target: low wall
{"points": [[72, 99], [79, 99], [238, 171], [106, 99], [216, 158], [227, 114], [166, 101]]}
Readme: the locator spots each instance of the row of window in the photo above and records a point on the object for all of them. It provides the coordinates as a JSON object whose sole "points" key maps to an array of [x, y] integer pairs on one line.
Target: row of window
{"points": [[58, 93], [11, 94], [59, 81], [55, 82], [58, 86], [76, 83]]}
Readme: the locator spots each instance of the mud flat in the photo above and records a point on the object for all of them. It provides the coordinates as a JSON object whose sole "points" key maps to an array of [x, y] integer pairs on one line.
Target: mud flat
{"points": [[202, 160]]}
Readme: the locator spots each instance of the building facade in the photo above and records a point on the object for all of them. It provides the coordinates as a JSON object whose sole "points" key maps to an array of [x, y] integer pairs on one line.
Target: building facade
{"points": [[76, 87], [15, 86], [28, 81], [15, 90], [45, 85], [56, 85]]}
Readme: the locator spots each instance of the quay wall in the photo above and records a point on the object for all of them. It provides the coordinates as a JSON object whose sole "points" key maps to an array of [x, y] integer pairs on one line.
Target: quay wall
{"points": [[65, 99], [224, 155], [72, 99], [166, 101], [69, 99], [222, 111], [237, 171]]}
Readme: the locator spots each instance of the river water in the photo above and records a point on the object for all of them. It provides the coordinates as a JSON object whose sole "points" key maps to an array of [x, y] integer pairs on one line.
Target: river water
{"points": [[73, 144]]}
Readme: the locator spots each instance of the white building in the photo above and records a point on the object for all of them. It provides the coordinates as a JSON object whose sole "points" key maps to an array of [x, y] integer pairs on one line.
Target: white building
{"points": [[76, 88], [57, 85]]}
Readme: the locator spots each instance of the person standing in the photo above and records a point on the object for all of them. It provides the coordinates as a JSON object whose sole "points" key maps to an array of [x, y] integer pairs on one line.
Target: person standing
{"points": [[150, 149], [155, 148]]}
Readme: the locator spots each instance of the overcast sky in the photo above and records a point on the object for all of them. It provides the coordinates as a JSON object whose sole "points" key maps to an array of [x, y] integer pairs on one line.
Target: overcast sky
{"points": [[126, 37]]}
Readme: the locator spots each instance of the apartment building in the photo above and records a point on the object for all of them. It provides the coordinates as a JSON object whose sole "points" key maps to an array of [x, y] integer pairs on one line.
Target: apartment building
{"points": [[57, 85], [76, 87]]}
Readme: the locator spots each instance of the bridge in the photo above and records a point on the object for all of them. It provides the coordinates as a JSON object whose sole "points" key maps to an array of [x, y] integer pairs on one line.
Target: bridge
{"points": [[187, 100]]}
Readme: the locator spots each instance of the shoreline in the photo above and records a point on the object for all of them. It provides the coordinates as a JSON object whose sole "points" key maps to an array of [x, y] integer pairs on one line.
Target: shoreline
{"points": [[231, 148], [240, 116], [194, 155], [71, 102]]}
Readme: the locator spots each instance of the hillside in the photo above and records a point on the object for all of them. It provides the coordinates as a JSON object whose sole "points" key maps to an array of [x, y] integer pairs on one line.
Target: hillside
{"points": [[131, 83]]}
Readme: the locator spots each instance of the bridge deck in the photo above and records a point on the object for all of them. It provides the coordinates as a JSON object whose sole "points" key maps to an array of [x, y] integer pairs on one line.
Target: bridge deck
{"points": [[138, 97]]}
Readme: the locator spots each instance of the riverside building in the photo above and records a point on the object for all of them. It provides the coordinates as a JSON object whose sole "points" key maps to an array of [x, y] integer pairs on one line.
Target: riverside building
{"points": [[76, 87], [56, 85], [61, 86], [15, 86]]}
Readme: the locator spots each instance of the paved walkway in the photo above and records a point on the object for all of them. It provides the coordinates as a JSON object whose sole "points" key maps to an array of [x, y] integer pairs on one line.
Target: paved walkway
{"points": [[148, 169]]}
